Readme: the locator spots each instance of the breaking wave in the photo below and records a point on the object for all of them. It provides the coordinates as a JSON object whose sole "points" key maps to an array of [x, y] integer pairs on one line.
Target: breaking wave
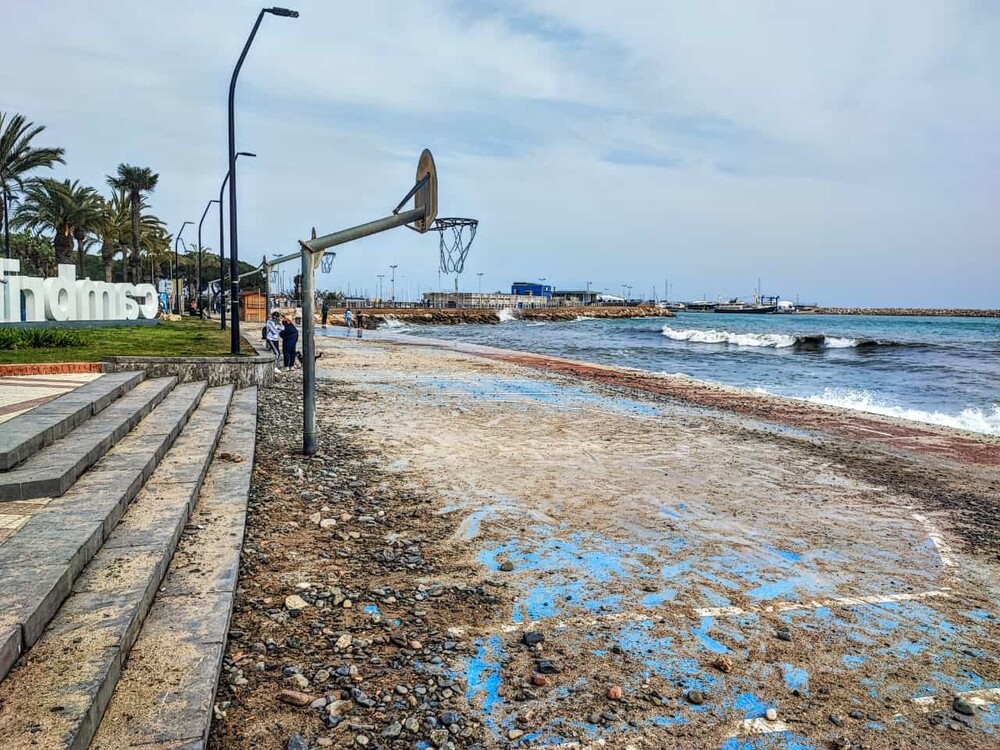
{"points": [[771, 340], [505, 315], [970, 418], [393, 323]]}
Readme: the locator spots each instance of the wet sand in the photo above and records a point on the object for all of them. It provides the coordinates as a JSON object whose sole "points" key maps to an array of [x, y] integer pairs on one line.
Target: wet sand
{"points": [[663, 536]]}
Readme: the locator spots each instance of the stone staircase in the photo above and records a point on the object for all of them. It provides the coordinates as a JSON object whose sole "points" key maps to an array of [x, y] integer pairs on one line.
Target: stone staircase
{"points": [[100, 559]]}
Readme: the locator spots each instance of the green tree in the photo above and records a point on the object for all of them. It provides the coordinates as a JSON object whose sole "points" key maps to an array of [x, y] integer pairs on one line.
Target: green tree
{"points": [[48, 206], [17, 158], [86, 208], [112, 229], [135, 182], [36, 254]]}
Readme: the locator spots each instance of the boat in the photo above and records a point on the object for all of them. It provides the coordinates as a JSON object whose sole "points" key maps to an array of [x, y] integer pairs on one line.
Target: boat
{"points": [[700, 305], [759, 306]]}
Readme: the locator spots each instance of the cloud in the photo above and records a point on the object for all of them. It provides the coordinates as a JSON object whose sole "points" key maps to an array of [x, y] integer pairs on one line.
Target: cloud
{"points": [[825, 146]]}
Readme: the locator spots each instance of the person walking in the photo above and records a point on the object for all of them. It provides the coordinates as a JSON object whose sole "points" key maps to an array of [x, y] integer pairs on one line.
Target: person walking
{"points": [[360, 323], [289, 341], [348, 319], [325, 308], [272, 332]]}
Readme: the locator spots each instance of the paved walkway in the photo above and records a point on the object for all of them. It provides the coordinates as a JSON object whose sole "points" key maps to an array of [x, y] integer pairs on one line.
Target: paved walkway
{"points": [[21, 393]]}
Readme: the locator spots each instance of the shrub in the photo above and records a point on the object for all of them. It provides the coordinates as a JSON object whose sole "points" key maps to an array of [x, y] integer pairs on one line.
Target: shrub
{"points": [[39, 338]]}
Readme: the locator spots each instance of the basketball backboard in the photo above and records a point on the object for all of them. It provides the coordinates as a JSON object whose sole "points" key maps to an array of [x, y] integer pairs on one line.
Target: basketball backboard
{"points": [[426, 195]]}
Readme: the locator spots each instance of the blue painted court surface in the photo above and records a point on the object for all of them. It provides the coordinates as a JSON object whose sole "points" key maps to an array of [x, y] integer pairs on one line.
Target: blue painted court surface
{"points": [[880, 628]]}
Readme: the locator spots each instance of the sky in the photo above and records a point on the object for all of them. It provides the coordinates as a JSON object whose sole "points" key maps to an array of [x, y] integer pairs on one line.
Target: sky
{"points": [[843, 152]]}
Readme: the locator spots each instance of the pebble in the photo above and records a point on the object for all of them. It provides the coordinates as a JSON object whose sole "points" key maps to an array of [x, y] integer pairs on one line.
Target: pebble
{"points": [[416, 645], [724, 664], [513, 734], [448, 718], [771, 714], [783, 634], [539, 680], [695, 696], [411, 725], [393, 730], [857, 715], [506, 566], [837, 720], [296, 742], [295, 698], [532, 638], [327, 523], [299, 680], [361, 740], [614, 693], [344, 641], [318, 703], [295, 602], [962, 706], [322, 675], [339, 708], [439, 737], [546, 666], [841, 743]]}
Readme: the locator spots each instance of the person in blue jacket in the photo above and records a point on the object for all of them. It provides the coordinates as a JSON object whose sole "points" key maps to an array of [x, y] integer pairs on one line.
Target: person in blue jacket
{"points": [[289, 341]]}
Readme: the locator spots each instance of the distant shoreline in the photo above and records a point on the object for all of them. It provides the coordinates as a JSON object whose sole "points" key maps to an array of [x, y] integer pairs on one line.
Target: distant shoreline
{"points": [[927, 312]]}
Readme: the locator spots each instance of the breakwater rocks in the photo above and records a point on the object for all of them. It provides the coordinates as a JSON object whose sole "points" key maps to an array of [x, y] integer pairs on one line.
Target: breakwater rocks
{"points": [[915, 311], [383, 318]]}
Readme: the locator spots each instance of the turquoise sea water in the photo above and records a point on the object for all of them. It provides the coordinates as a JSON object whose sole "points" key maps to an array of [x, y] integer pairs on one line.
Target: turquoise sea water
{"points": [[943, 371]]}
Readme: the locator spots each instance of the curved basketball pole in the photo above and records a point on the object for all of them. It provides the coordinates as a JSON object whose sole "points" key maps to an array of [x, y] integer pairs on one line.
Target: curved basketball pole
{"points": [[421, 217]]}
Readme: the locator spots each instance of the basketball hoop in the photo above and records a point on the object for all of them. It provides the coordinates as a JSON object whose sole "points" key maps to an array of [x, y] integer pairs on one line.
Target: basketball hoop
{"points": [[326, 262], [454, 242]]}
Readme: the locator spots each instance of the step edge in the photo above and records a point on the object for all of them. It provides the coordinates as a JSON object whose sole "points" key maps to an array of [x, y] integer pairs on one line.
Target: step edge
{"points": [[21, 451]]}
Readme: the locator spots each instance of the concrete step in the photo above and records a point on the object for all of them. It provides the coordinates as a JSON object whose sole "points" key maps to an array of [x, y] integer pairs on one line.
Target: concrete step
{"points": [[52, 471], [43, 558], [22, 436], [166, 693], [56, 695]]}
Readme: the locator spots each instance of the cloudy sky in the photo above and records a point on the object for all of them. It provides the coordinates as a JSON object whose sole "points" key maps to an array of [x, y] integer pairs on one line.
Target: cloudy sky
{"points": [[844, 152]]}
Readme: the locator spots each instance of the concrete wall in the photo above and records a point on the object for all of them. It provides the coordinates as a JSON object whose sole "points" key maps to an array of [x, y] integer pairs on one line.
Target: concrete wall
{"points": [[256, 369]]}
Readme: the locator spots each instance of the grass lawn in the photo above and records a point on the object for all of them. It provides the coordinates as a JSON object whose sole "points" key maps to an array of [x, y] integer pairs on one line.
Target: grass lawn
{"points": [[189, 337]]}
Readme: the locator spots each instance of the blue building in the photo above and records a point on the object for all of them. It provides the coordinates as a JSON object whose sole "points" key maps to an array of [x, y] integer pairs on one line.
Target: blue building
{"points": [[527, 289]]}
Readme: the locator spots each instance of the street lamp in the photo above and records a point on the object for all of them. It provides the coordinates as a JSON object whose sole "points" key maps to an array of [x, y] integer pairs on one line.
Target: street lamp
{"points": [[201, 312], [394, 284], [177, 296], [380, 277], [222, 244], [480, 275], [234, 249]]}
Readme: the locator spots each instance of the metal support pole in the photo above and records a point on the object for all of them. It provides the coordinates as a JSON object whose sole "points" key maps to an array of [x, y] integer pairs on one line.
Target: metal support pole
{"points": [[318, 245], [267, 290], [177, 294], [201, 277], [308, 354]]}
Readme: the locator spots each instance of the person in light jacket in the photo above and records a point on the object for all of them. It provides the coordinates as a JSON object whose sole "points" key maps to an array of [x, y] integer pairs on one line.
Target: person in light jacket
{"points": [[272, 332]]}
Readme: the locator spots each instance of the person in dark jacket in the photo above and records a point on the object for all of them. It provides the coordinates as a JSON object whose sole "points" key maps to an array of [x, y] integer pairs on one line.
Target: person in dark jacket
{"points": [[289, 341]]}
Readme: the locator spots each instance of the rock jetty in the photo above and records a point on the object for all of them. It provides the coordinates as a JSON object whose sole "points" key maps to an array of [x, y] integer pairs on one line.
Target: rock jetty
{"points": [[916, 311], [430, 316]]}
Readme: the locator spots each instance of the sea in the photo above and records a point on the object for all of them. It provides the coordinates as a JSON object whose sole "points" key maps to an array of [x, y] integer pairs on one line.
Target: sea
{"points": [[939, 370]]}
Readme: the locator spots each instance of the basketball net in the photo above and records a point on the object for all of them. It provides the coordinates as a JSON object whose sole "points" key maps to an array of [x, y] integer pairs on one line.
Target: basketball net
{"points": [[456, 236]]}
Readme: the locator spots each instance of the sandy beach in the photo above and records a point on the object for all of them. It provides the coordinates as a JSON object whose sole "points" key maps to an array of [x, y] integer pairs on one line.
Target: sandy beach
{"points": [[495, 549]]}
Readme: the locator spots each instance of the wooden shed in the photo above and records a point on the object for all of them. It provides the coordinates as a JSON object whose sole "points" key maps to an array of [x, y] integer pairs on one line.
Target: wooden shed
{"points": [[253, 306]]}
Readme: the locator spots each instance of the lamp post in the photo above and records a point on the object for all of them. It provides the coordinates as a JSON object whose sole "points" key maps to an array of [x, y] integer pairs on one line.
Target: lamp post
{"points": [[222, 243], [380, 277], [177, 294], [480, 275], [587, 301], [394, 284], [234, 248], [623, 292], [201, 311]]}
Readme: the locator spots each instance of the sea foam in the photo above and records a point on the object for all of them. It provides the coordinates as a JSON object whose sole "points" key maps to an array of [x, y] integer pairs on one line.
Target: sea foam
{"points": [[769, 340], [970, 418]]}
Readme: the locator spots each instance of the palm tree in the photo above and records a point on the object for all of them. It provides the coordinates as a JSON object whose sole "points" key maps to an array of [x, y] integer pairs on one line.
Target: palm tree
{"points": [[86, 207], [112, 229], [48, 206], [17, 158], [135, 181]]}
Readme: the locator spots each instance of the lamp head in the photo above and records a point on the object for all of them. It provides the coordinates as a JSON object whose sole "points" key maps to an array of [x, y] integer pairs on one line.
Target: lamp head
{"points": [[283, 12], [246, 153]]}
